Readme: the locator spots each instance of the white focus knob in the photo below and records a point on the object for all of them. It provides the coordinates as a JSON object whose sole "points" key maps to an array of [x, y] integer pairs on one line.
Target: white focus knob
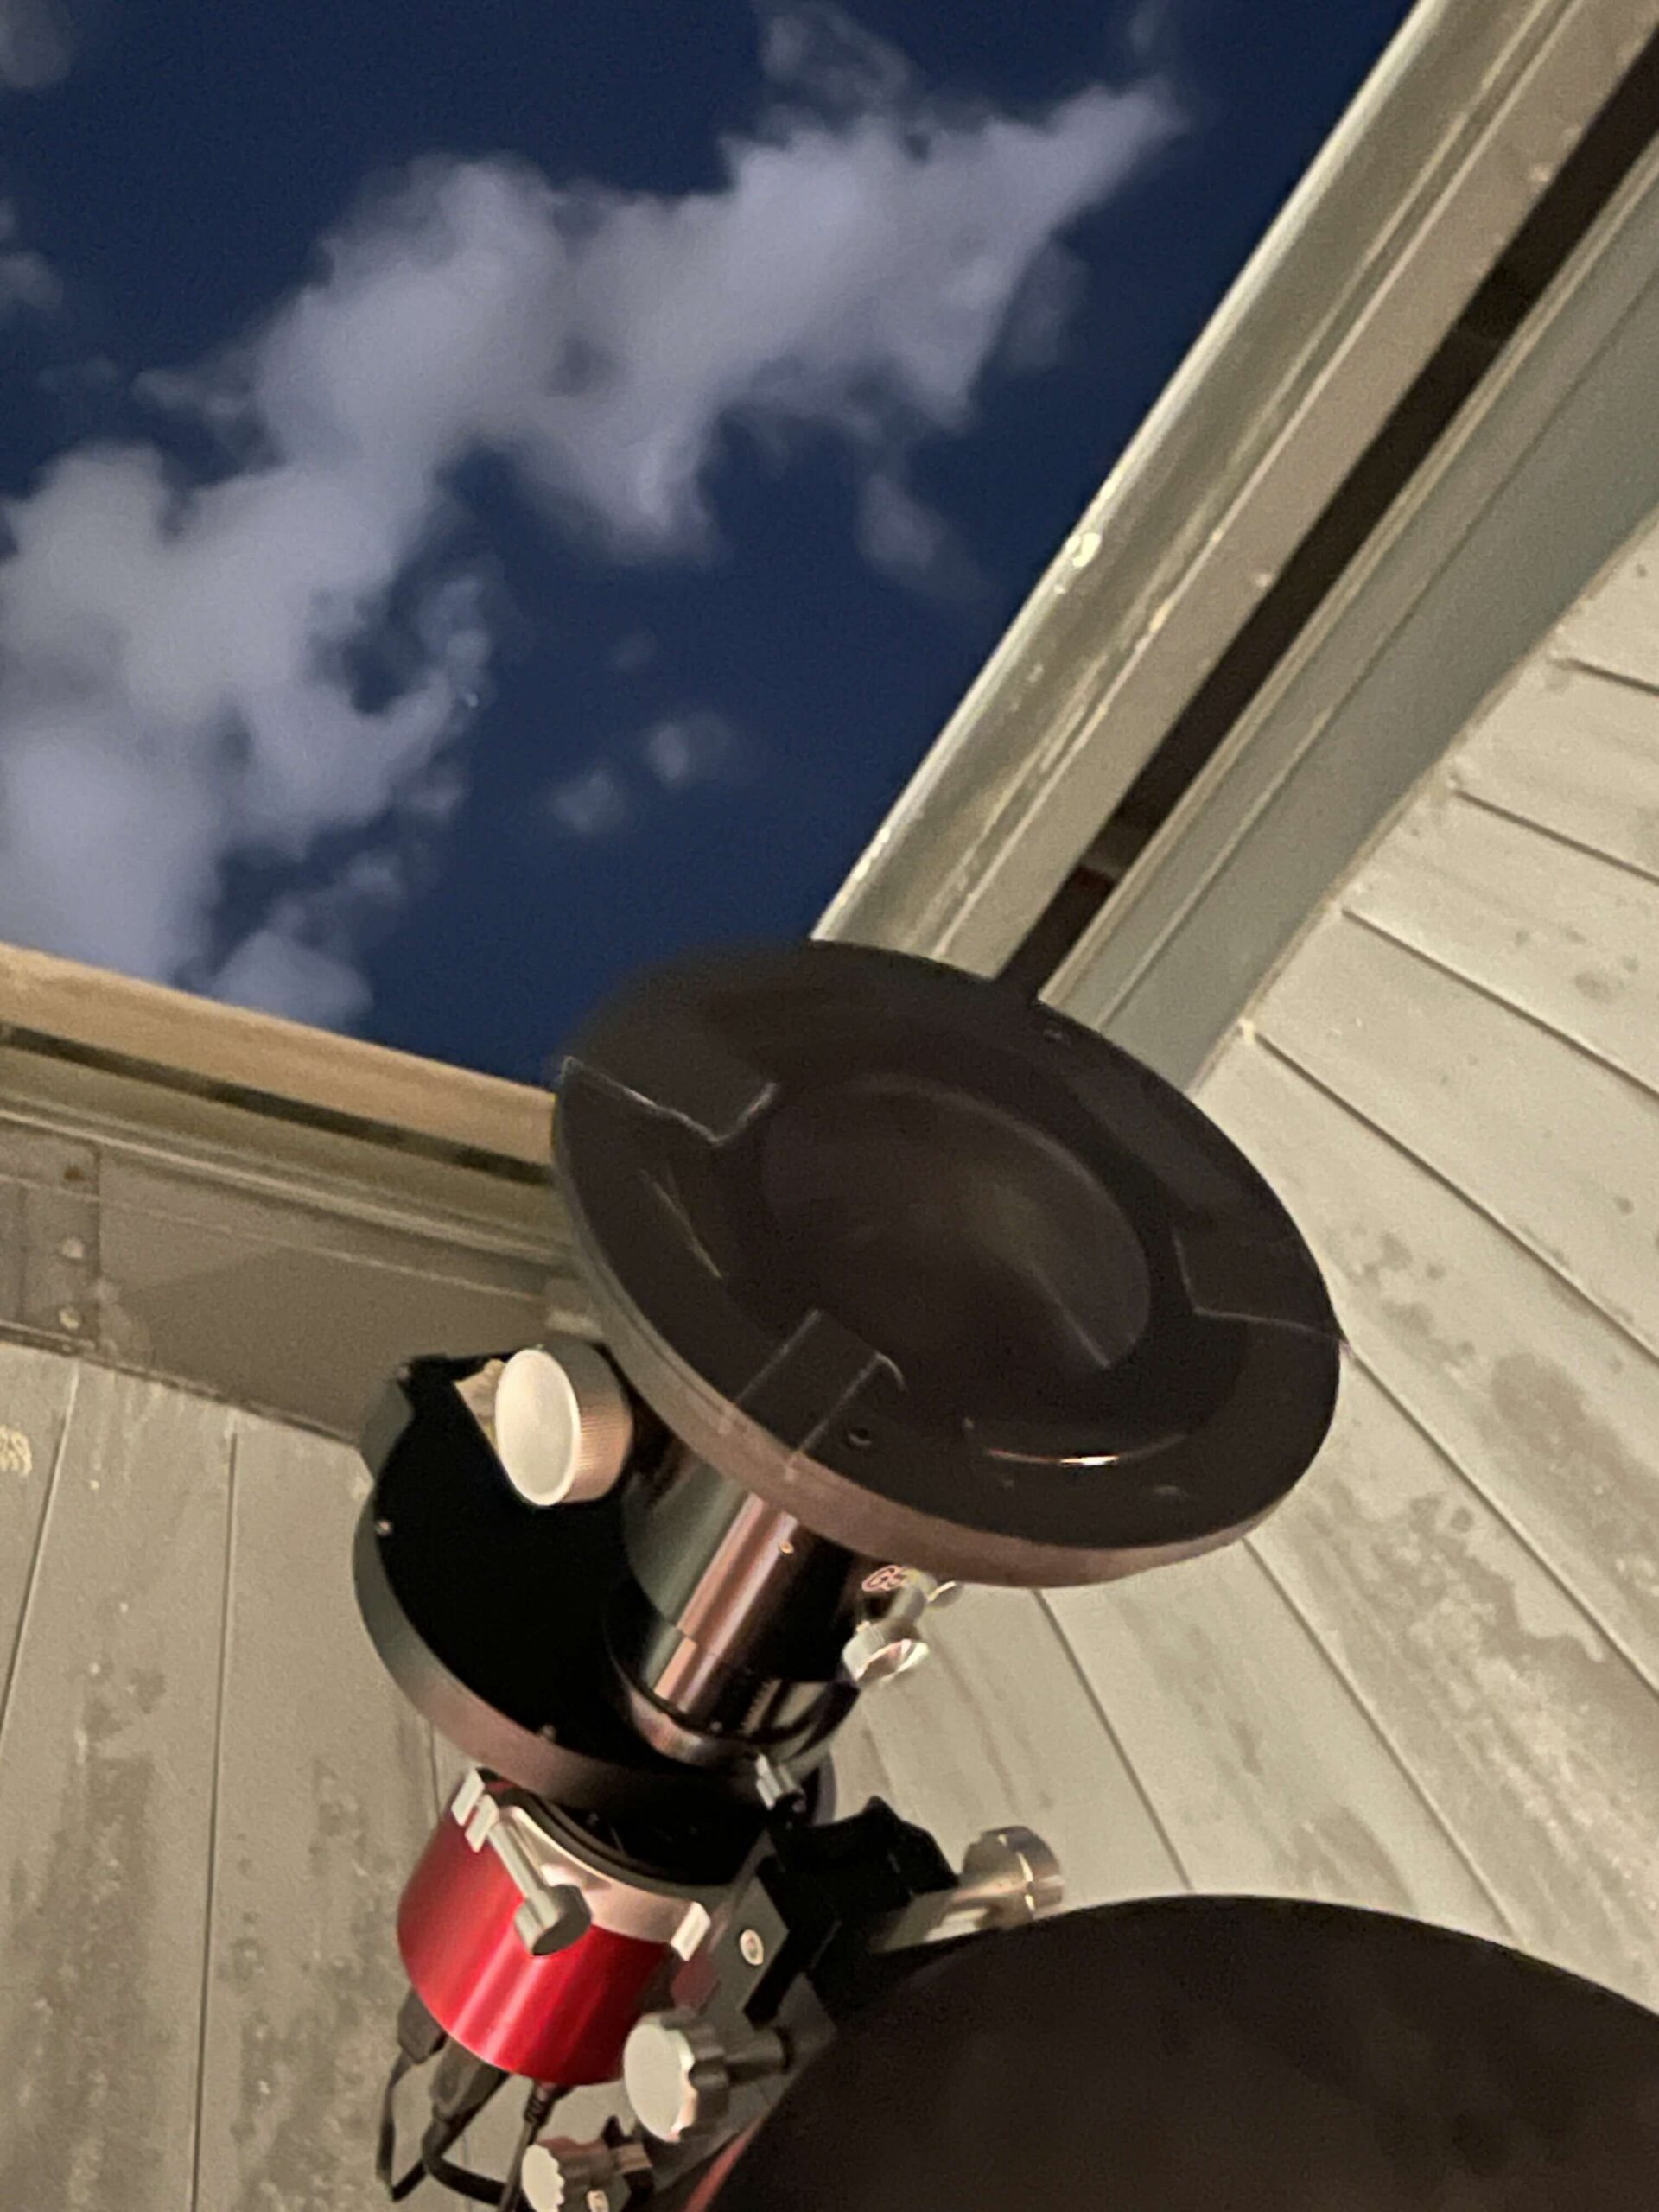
{"points": [[562, 1424], [558, 2175]]}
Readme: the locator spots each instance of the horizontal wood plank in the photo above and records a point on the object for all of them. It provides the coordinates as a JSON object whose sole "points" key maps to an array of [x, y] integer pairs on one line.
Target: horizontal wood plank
{"points": [[284, 1330], [217, 1044], [1574, 753], [1553, 1415], [1266, 1774], [998, 1727], [1562, 1150], [107, 1769], [1537, 1744], [1555, 932], [1617, 626]]}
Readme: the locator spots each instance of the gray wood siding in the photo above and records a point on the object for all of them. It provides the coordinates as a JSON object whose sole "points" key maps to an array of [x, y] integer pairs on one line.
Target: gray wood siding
{"points": [[1430, 1679], [210, 1796], [1429, 1684], [251, 1257]]}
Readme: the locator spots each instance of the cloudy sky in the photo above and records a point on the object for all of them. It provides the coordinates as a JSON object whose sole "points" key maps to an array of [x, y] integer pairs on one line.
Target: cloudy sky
{"points": [[493, 495]]}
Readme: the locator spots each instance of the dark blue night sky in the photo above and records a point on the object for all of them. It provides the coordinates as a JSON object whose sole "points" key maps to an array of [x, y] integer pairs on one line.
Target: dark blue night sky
{"points": [[636, 738]]}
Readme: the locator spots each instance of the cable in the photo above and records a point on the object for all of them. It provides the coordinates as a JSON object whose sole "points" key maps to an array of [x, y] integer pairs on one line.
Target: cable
{"points": [[537, 2105], [385, 2149]]}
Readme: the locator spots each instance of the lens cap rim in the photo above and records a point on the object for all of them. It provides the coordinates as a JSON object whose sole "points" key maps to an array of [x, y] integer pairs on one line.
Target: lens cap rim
{"points": [[662, 1100]]}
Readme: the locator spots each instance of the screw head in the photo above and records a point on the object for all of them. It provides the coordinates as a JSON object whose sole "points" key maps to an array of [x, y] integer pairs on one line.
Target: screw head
{"points": [[752, 1948]]}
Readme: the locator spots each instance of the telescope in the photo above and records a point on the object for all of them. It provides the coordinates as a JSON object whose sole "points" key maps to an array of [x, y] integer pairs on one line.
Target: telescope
{"points": [[901, 1281]]}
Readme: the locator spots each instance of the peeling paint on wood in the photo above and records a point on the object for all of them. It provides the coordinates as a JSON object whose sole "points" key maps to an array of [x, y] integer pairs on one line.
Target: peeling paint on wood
{"points": [[1537, 1745], [324, 1802], [1264, 1771], [105, 1786], [1544, 1138], [1553, 1415]]}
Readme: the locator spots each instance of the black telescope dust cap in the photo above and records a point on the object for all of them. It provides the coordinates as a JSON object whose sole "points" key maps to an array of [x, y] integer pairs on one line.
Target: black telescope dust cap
{"points": [[939, 1272]]}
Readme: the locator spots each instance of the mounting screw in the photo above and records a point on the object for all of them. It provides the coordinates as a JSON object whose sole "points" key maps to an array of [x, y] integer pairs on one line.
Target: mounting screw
{"points": [[752, 1948]]}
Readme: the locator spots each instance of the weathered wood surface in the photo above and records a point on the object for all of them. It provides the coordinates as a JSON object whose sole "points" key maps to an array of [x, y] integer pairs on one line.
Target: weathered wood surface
{"points": [[1560, 1149], [1550, 1415], [106, 1785], [1574, 753], [259, 1052], [1613, 627], [1453, 1085], [35, 1396], [210, 1797], [1537, 1744], [1268, 1775], [1555, 932], [324, 1800], [998, 1727]]}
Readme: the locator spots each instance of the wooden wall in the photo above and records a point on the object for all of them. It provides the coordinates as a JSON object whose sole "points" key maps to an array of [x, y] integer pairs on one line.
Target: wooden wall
{"points": [[1430, 1679], [247, 1253], [1428, 1684]]}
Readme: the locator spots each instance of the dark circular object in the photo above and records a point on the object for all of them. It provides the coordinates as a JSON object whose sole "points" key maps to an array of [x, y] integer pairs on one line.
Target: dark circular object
{"points": [[937, 1271], [1191, 2053]]}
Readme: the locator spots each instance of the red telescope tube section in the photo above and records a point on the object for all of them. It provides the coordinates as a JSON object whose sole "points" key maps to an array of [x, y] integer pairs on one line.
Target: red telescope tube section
{"points": [[563, 2018]]}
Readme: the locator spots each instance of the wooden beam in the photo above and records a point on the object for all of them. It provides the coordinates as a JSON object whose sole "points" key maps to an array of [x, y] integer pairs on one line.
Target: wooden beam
{"points": [[226, 1047]]}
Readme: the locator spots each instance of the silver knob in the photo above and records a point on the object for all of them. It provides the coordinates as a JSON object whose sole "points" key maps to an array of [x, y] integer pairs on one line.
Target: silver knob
{"points": [[877, 1650], [561, 1422], [559, 2174], [553, 1914], [680, 2077], [551, 1919], [1010, 1876]]}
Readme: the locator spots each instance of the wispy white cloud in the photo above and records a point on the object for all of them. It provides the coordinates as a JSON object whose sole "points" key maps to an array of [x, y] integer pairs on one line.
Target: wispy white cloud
{"points": [[675, 754], [304, 960], [38, 39], [908, 541], [703, 748], [1150, 26], [28, 280], [819, 53], [174, 656], [595, 804]]}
